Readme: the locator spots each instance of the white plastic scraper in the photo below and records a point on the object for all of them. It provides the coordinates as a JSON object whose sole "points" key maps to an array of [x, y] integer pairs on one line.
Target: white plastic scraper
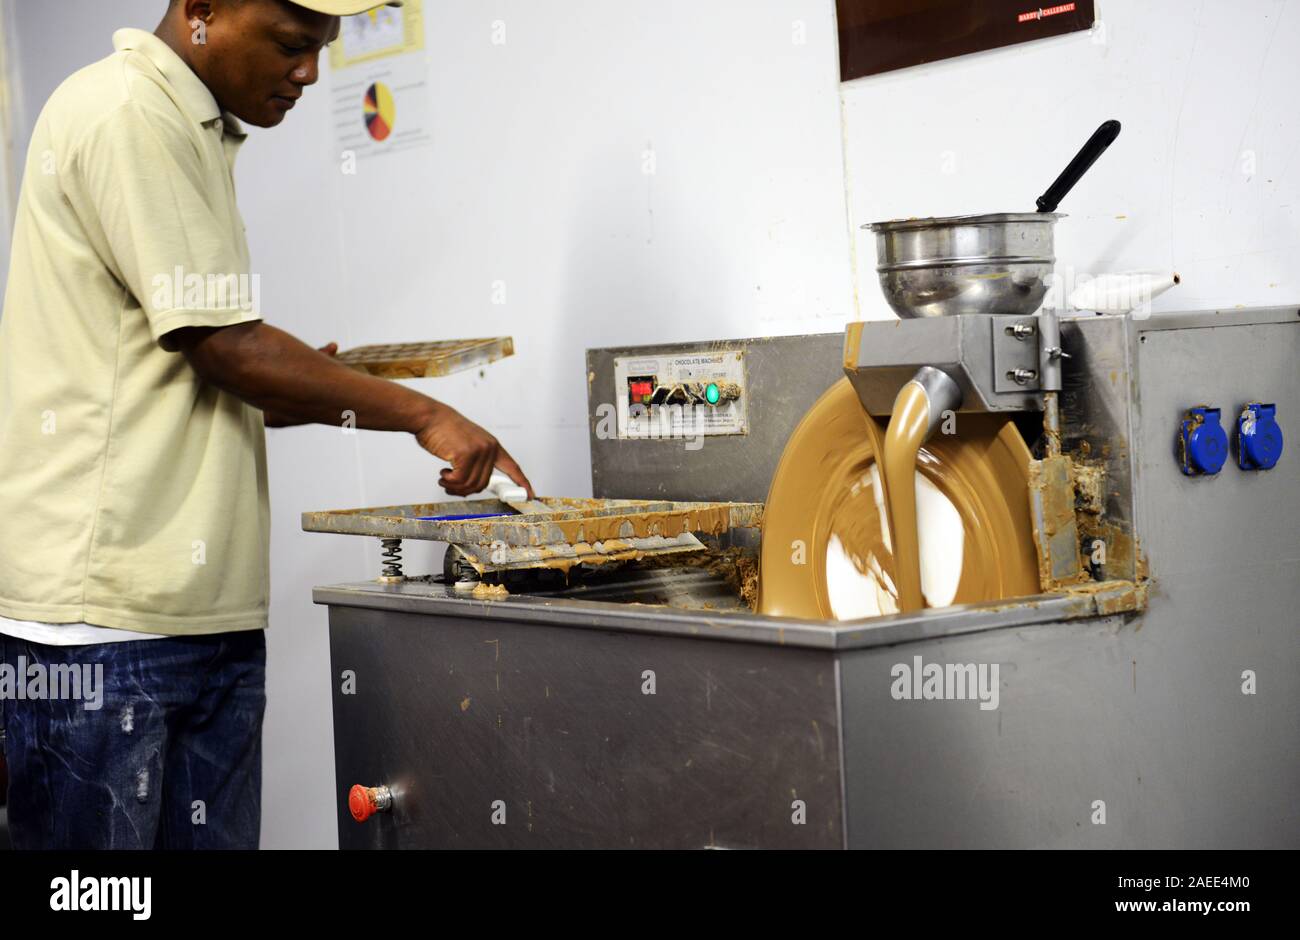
{"points": [[513, 495]]}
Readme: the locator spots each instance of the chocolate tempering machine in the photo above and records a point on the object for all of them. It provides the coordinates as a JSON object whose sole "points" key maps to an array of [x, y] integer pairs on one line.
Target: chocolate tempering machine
{"points": [[525, 720], [1115, 666]]}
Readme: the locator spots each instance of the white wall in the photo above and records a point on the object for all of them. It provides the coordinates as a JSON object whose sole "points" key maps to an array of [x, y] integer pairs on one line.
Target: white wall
{"points": [[1200, 87], [534, 178], [11, 123]]}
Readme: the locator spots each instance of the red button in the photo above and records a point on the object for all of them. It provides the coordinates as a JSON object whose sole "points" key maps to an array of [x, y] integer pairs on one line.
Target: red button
{"points": [[362, 803]]}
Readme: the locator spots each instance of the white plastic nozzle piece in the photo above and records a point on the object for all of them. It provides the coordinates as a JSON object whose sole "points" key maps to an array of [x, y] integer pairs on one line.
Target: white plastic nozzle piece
{"points": [[506, 489]]}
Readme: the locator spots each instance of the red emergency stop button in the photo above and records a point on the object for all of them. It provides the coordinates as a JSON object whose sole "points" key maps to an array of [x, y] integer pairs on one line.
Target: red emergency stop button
{"points": [[364, 802]]}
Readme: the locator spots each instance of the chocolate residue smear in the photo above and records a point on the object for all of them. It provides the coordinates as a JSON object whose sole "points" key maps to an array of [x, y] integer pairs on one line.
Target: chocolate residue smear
{"points": [[746, 570], [574, 524], [737, 566], [1056, 532], [1090, 487]]}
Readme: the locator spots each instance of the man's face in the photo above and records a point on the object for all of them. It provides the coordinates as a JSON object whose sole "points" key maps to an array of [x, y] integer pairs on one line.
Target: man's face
{"points": [[260, 55]]}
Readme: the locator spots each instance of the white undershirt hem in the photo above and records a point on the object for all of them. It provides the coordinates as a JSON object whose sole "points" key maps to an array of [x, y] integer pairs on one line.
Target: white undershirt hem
{"points": [[68, 634]]}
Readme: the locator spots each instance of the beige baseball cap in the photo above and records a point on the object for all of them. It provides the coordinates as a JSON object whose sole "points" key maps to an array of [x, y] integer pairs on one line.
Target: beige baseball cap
{"points": [[345, 7]]}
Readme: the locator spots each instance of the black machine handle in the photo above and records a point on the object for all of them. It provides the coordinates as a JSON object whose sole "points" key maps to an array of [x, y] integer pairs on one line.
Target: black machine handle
{"points": [[1101, 138]]}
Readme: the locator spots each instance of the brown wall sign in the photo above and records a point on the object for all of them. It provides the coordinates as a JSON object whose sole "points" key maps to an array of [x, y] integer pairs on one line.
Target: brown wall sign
{"points": [[883, 35]]}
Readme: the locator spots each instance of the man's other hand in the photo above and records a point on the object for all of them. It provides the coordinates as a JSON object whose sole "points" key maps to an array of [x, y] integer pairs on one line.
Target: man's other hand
{"points": [[472, 452]]}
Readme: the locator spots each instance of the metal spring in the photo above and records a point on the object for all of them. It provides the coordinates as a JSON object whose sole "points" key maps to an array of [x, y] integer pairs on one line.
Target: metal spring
{"points": [[392, 558]]}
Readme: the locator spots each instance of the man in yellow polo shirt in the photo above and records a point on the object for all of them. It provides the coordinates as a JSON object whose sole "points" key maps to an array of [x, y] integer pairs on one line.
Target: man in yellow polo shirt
{"points": [[136, 378]]}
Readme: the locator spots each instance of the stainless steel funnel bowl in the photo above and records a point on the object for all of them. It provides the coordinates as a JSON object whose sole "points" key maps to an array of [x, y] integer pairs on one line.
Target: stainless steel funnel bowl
{"points": [[995, 263]]}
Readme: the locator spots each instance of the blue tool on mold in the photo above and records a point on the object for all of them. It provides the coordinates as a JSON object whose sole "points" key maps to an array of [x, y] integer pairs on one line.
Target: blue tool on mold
{"points": [[472, 515]]}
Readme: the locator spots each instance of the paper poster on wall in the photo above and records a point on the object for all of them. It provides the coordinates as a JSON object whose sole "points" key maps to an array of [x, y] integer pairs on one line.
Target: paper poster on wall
{"points": [[386, 31], [380, 84]]}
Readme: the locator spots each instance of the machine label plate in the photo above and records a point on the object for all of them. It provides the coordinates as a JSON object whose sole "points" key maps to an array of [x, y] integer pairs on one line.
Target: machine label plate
{"points": [[685, 396]]}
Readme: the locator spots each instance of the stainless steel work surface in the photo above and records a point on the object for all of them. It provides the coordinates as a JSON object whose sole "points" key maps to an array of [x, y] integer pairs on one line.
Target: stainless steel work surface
{"points": [[633, 605]]}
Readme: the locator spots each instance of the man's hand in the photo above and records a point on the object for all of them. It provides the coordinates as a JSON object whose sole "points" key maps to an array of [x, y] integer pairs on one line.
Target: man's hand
{"points": [[472, 452]]}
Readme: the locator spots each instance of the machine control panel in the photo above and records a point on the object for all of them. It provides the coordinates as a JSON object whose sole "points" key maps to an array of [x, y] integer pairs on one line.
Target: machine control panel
{"points": [[681, 396], [1259, 437], [1202, 442]]}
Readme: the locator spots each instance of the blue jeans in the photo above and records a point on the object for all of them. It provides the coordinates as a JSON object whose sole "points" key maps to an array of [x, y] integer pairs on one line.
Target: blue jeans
{"points": [[172, 758]]}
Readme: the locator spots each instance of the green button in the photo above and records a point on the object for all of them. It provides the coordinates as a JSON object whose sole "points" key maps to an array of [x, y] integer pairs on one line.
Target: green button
{"points": [[711, 393]]}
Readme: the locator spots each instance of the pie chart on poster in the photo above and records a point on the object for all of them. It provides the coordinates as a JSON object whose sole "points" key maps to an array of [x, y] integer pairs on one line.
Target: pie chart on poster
{"points": [[381, 112]]}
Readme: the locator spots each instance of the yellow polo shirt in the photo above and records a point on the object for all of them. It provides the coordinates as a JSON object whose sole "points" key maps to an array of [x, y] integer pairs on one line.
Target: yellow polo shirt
{"points": [[133, 495]]}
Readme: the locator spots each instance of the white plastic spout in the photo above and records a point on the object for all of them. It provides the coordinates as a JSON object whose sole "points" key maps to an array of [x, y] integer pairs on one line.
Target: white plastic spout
{"points": [[505, 489], [1121, 293]]}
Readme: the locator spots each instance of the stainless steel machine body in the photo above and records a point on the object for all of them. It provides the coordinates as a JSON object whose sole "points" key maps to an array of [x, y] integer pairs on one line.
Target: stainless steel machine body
{"points": [[647, 710]]}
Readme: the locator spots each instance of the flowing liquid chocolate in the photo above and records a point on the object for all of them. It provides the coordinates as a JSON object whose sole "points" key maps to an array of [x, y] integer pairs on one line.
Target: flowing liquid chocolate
{"points": [[903, 440], [831, 490]]}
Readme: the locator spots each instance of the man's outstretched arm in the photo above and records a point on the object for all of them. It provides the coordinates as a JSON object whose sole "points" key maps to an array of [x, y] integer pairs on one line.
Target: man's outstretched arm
{"points": [[274, 420], [278, 373]]}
